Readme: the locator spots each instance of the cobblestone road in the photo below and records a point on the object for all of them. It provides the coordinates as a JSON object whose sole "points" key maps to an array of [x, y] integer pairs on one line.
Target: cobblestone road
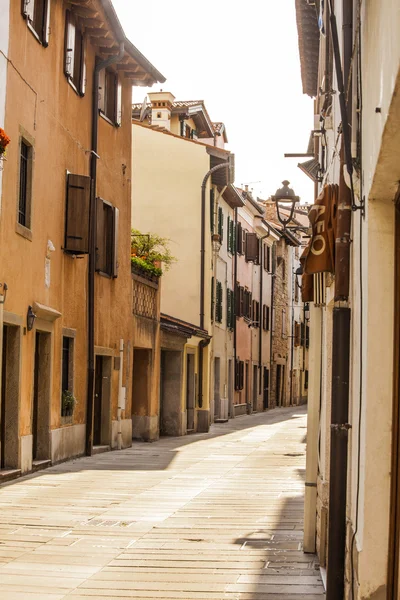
{"points": [[206, 516]]}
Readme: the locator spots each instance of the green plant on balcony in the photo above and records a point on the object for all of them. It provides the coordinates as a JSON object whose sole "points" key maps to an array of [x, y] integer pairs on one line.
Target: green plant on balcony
{"points": [[148, 252], [68, 402]]}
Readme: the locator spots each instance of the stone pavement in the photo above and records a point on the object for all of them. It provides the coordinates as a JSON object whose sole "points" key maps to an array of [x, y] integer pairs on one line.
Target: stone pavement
{"points": [[207, 516]]}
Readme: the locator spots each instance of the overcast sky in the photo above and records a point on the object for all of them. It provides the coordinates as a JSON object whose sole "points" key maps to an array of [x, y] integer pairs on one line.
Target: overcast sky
{"points": [[242, 59]]}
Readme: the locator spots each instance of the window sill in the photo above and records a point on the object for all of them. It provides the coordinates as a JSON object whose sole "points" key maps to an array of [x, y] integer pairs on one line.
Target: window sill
{"points": [[103, 274], [107, 119], [23, 231]]}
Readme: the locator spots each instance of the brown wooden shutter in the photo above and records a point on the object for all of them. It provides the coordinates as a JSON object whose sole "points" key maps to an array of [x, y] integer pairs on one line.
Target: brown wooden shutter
{"points": [[241, 301], [241, 375], [82, 83], [115, 242], [297, 334], [118, 101], [69, 44], [100, 236], [27, 9], [252, 247], [77, 214], [239, 239]]}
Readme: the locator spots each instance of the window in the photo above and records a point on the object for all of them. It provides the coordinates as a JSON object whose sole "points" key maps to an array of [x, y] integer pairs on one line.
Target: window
{"points": [[266, 317], [306, 380], [212, 201], [25, 184], [110, 96], [230, 315], [218, 307], [267, 258], [302, 334], [107, 217], [252, 248], [307, 336], [283, 323], [75, 53], [37, 15], [247, 308], [297, 334], [221, 223], [67, 370], [76, 239], [231, 244], [256, 313], [239, 300], [239, 375], [239, 239]]}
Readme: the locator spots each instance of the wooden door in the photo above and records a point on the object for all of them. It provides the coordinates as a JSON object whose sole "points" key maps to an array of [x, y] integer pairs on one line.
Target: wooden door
{"points": [[98, 393]]}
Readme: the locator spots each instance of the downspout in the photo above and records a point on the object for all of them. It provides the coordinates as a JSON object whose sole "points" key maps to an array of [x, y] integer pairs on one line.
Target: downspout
{"points": [[341, 333], [204, 343], [92, 245]]}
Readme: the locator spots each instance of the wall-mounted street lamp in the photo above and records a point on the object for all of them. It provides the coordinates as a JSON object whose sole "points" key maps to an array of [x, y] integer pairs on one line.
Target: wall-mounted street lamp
{"points": [[285, 199], [307, 311], [30, 319], [3, 292], [216, 242]]}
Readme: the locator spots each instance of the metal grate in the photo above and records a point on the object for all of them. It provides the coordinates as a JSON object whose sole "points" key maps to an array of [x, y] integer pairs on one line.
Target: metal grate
{"points": [[144, 300]]}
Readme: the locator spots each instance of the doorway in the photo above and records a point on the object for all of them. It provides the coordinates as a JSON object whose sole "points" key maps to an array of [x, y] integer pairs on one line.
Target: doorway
{"points": [[217, 386], [171, 382], [255, 387], [41, 397], [190, 391], [266, 389], [230, 389], [246, 384], [102, 402], [9, 409], [278, 384]]}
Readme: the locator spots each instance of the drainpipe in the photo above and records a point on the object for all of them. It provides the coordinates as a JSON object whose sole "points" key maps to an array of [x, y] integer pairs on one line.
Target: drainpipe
{"points": [[92, 245], [121, 397], [341, 335]]}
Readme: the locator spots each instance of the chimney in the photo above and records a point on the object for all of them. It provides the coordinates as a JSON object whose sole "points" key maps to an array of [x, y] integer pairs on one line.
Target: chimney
{"points": [[161, 106]]}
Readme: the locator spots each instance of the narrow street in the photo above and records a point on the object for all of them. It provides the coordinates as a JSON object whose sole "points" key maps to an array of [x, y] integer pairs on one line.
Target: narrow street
{"points": [[215, 515]]}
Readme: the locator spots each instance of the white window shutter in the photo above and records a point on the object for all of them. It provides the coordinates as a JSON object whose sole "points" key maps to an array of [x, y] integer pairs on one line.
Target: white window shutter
{"points": [[28, 7], [102, 90], [82, 87], [115, 243], [69, 45], [118, 102], [46, 24]]}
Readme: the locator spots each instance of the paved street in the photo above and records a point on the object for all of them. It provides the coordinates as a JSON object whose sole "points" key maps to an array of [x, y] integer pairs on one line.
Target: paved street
{"points": [[206, 516]]}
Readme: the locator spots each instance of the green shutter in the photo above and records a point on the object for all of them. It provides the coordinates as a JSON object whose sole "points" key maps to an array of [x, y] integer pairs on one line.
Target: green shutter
{"points": [[228, 242], [233, 237], [212, 210], [228, 308], [221, 223]]}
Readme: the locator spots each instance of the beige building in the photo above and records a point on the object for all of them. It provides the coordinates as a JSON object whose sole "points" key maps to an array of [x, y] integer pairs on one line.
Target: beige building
{"points": [[66, 306], [352, 499], [172, 184]]}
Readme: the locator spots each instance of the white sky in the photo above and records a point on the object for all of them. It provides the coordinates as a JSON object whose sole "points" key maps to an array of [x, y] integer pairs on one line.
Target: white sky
{"points": [[242, 59]]}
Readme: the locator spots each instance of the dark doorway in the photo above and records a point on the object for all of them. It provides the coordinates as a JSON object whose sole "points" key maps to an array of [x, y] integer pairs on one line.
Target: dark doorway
{"points": [[230, 389], [190, 391], [266, 389], [9, 411], [246, 384], [217, 386], [278, 385], [255, 387], [102, 402], [171, 393], [41, 398]]}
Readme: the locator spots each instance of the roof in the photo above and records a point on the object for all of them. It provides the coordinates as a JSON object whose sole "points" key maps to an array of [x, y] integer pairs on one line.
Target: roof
{"points": [[95, 20], [232, 196], [311, 168], [248, 198], [194, 109], [308, 35], [182, 328], [220, 129]]}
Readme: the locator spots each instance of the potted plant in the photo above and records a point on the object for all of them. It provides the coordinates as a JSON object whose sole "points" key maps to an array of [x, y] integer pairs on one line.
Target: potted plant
{"points": [[4, 141], [148, 252], [68, 403]]}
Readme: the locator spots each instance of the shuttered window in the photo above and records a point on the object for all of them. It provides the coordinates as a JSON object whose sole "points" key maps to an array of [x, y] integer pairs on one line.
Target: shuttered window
{"points": [[239, 375], [75, 53], [221, 223], [302, 334], [230, 313], [219, 303], [110, 96], [252, 247], [239, 239], [107, 217], [212, 298], [256, 313], [297, 334], [267, 258], [266, 317], [231, 242], [247, 309], [37, 15], [76, 240], [307, 336]]}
